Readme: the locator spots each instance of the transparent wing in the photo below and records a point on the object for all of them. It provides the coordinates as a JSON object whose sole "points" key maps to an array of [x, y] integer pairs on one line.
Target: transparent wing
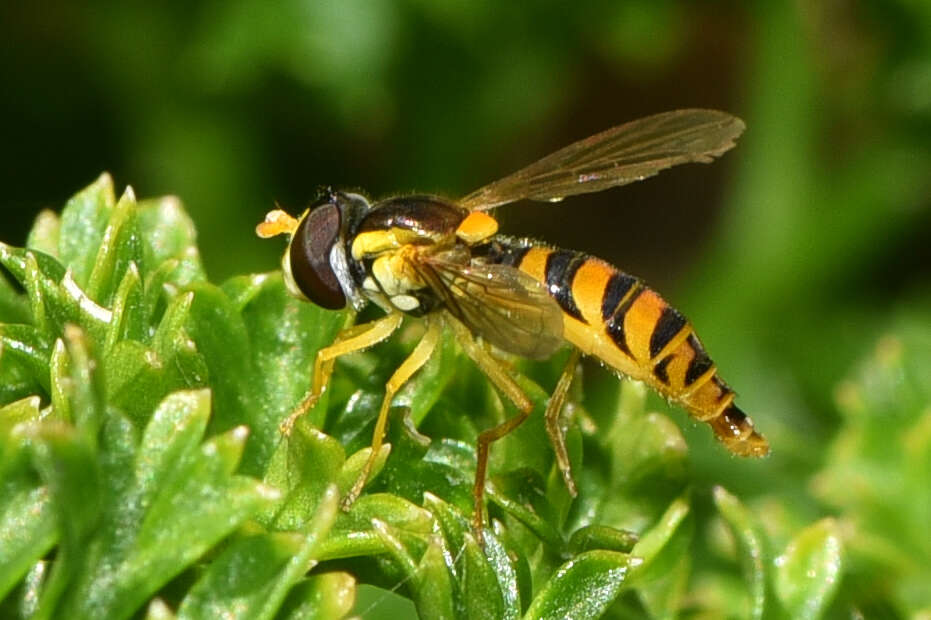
{"points": [[618, 156], [503, 305]]}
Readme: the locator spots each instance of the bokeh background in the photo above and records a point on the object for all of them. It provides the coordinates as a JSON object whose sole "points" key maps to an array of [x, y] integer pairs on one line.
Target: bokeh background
{"points": [[794, 254]]}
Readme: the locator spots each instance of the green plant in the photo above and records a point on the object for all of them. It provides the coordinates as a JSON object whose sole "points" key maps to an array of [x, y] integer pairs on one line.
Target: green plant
{"points": [[142, 468]]}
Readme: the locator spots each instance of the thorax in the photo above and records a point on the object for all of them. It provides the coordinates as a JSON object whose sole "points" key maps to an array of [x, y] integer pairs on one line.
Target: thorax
{"points": [[388, 246]]}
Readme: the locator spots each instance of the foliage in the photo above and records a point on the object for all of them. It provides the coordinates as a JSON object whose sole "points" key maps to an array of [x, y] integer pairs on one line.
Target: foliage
{"points": [[142, 467]]}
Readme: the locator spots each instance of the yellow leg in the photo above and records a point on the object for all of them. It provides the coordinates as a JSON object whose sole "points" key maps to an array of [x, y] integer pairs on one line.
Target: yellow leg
{"points": [[503, 381], [350, 340], [553, 409], [412, 364]]}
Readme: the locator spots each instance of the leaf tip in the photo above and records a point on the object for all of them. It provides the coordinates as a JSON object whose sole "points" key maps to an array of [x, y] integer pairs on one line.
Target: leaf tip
{"points": [[720, 494], [159, 610], [268, 492], [129, 195]]}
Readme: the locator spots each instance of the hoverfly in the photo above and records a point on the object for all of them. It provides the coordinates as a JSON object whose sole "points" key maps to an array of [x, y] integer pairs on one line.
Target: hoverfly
{"points": [[444, 261]]}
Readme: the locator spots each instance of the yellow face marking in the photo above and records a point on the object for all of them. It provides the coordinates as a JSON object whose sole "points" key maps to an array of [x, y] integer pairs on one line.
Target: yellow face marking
{"points": [[276, 222], [588, 288], [375, 241], [476, 227], [534, 263], [639, 322]]}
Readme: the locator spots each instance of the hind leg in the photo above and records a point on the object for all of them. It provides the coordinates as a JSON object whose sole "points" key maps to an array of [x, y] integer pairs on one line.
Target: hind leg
{"points": [[553, 410]]}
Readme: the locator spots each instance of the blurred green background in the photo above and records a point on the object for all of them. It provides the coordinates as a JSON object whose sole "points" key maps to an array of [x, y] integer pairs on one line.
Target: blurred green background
{"points": [[793, 254]]}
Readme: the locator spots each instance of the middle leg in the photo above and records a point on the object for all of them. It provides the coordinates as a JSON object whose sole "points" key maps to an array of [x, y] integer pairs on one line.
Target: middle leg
{"points": [[412, 364]]}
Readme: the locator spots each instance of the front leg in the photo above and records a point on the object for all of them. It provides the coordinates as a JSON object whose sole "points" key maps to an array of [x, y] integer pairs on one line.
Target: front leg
{"points": [[350, 340]]}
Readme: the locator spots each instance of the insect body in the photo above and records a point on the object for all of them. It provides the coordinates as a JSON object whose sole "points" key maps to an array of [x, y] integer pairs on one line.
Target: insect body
{"points": [[444, 261]]}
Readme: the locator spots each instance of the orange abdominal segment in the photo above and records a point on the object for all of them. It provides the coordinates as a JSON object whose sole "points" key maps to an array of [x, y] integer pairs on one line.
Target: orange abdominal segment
{"points": [[614, 317]]}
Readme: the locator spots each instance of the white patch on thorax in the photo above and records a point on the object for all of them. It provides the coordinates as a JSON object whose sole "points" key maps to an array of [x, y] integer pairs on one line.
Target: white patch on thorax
{"points": [[405, 303], [394, 275]]}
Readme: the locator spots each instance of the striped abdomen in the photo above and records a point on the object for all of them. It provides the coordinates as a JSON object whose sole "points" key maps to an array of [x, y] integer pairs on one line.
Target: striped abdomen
{"points": [[616, 318]]}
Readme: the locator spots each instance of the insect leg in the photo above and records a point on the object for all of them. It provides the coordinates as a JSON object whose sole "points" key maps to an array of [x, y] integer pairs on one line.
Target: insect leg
{"points": [[503, 381], [412, 364], [350, 340], [553, 409]]}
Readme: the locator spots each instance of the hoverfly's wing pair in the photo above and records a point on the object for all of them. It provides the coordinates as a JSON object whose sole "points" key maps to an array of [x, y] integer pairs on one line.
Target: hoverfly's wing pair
{"points": [[511, 309], [503, 305]]}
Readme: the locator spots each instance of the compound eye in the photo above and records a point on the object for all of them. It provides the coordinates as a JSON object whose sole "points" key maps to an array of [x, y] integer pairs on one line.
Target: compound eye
{"points": [[310, 257]]}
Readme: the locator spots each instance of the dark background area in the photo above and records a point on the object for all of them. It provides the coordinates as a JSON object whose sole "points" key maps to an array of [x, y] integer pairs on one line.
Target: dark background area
{"points": [[232, 107]]}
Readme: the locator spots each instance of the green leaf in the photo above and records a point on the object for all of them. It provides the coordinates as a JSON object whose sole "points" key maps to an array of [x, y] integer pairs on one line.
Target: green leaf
{"points": [[202, 502], [14, 308], [322, 597], [305, 465], [752, 545], [172, 435], [354, 533], [85, 391], [661, 577], [128, 310], [83, 222], [32, 589], [28, 346], [309, 550], [180, 500], [583, 587], [807, 573], [24, 410], [505, 569], [67, 466], [521, 495], [219, 335], [27, 530], [14, 259], [485, 579], [430, 580], [602, 537], [170, 238], [159, 610], [284, 337], [55, 299], [378, 603], [45, 234], [120, 247], [480, 586], [238, 582]]}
